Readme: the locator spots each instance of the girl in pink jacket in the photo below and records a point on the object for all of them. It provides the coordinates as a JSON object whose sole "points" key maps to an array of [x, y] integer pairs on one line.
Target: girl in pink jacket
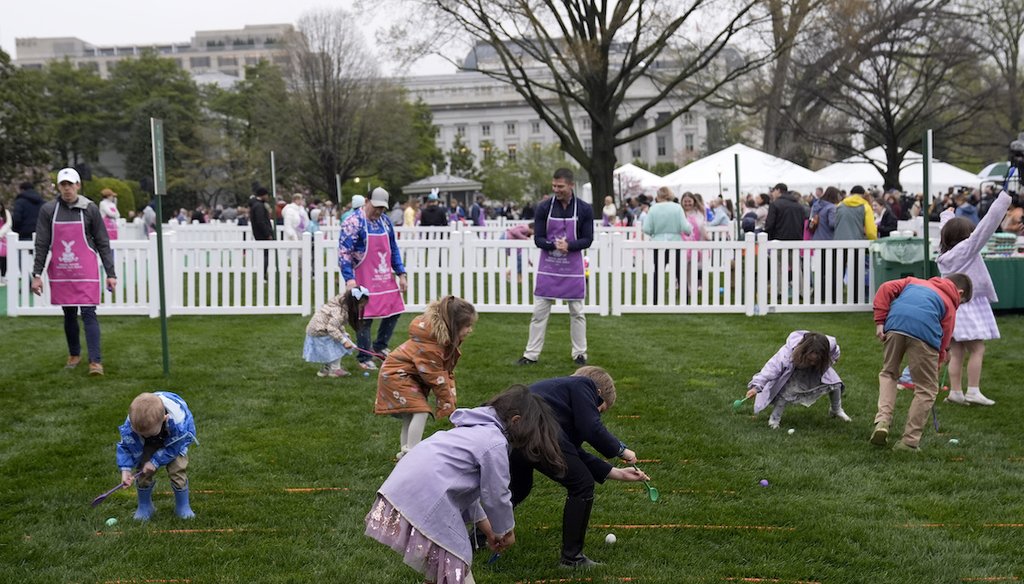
{"points": [[799, 373]]}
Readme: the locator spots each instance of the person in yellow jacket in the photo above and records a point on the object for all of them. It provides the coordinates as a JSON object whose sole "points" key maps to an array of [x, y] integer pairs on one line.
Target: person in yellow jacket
{"points": [[854, 221]]}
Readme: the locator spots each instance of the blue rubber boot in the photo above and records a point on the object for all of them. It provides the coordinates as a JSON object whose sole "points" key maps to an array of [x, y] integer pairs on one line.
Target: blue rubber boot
{"points": [[181, 507], [145, 510]]}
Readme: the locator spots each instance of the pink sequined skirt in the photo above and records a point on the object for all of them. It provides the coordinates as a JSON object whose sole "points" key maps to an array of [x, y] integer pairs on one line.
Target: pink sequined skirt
{"points": [[387, 525]]}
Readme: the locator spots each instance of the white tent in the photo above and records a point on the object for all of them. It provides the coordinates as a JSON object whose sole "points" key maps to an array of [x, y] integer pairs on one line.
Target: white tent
{"points": [[628, 180], [856, 171], [759, 172]]}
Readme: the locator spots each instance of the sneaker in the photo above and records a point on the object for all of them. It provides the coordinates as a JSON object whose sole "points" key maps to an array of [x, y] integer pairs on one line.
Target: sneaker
{"points": [[881, 434], [580, 360], [324, 371], [73, 361], [368, 365], [95, 369], [773, 424], [339, 372], [525, 361], [956, 398], [909, 385], [902, 446], [978, 399]]}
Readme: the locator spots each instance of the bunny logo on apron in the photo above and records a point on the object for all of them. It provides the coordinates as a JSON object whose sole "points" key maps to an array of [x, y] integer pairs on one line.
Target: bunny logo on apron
{"points": [[74, 272]]}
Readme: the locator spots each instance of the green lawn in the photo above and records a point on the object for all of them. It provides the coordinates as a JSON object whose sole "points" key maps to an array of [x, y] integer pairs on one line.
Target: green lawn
{"points": [[288, 463]]}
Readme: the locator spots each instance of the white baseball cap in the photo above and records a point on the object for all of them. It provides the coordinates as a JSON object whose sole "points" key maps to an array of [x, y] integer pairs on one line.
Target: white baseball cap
{"points": [[358, 201], [68, 175], [379, 198]]}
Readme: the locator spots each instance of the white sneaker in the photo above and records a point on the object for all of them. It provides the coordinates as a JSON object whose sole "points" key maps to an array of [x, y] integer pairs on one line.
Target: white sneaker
{"points": [[978, 399], [956, 397], [840, 414], [773, 424]]}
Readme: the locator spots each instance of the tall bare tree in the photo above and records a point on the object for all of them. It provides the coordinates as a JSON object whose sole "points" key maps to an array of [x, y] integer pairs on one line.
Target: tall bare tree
{"points": [[1000, 38], [572, 60], [336, 87]]}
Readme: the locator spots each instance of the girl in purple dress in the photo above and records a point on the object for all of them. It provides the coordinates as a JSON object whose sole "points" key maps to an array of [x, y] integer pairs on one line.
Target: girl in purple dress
{"points": [[462, 476], [799, 373]]}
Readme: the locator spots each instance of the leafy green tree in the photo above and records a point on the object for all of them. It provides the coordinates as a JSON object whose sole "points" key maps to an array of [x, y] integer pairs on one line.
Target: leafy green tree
{"points": [[74, 106], [125, 194], [22, 134], [461, 160], [154, 87]]}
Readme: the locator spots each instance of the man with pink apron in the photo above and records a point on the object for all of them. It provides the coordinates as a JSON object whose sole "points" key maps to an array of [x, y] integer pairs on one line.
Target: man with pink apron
{"points": [[368, 256], [563, 228], [71, 232]]}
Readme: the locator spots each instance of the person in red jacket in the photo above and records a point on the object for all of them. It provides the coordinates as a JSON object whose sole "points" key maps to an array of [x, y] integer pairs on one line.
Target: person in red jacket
{"points": [[914, 317]]}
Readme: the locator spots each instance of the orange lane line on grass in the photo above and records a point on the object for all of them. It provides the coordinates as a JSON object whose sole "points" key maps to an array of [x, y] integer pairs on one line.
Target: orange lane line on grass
{"points": [[929, 525], [313, 489], [748, 579], [133, 581], [694, 526], [624, 417], [957, 459], [1004, 525], [611, 578]]}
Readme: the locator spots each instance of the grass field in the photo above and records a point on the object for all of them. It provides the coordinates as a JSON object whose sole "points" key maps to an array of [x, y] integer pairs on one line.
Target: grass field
{"points": [[288, 463]]}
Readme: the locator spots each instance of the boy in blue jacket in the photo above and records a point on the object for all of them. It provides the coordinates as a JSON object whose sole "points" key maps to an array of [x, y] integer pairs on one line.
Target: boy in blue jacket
{"points": [[577, 403], [915, 318], [157, 432]]}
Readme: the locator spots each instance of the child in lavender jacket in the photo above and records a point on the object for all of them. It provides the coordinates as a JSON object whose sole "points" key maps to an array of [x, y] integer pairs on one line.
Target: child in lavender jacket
{"points": [[458, 476], [799, 373]]}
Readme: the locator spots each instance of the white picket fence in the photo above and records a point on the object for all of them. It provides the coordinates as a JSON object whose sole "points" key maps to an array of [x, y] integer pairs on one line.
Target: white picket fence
{"points": [[223, 275]]}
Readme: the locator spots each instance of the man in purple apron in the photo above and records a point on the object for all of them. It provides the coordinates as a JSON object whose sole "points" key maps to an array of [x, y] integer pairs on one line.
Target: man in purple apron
{"points": [[368, 256], [71, 231], [563, 228]]}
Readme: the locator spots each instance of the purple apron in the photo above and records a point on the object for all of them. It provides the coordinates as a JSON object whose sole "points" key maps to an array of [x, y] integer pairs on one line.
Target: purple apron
{"points": [[74, 268], [374, 272], [561, 275]]}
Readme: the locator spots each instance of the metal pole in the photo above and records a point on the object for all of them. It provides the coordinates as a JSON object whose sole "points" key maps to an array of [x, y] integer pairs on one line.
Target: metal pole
{"points": [[927, 155], [736, 213], [273, 176], [156, 136], [337, 186]]}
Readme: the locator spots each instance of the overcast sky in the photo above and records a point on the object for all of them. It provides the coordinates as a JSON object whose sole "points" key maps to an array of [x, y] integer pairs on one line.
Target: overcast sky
{"points": [[124, 22]]}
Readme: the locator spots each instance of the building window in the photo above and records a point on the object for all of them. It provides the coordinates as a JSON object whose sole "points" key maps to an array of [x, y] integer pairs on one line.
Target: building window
{"points": [[227, 61], [585, 123], [636, 152], [688, 139], [250, 61], [588, 148], [536, 146], [688, 119], [460, 131], [485, 147], [89, 66], [535, 127], [662, 149], [281, 60], [485, 129], [510, 129], [197, 62], [512, 152]]}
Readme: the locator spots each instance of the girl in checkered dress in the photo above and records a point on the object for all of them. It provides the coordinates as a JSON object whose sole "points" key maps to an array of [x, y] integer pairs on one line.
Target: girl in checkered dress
{"points": [[960, 251]]}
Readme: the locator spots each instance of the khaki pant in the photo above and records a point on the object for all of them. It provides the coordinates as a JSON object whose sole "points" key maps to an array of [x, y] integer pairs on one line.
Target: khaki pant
{"points": [[176, 470], [923, 361], [539, 327]]}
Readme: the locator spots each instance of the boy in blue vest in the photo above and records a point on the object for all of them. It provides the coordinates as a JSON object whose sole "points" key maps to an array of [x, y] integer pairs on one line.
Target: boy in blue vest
{"points": [[157, 432], [915, 318]]}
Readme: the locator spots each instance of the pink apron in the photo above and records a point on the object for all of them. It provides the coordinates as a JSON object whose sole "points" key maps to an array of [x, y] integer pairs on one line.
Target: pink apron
{"points": [[111, 224], [74, 268], [374, 272], [561, 275]]}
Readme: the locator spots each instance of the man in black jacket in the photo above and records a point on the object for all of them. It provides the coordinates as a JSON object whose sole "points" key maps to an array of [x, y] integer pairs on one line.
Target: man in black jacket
{"points": [[259, 220], [785, 222], [577, 403], [26, 211], [432, 214]]}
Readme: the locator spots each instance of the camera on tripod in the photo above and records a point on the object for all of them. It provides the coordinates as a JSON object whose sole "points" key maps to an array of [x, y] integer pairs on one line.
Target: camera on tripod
{"points": [[1017, 154]]}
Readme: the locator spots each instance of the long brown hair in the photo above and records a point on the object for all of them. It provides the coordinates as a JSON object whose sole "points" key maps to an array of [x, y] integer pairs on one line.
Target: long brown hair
{"points": [[447, 317], [812, 352], [354, 307], [535, 434], [953, 232]]}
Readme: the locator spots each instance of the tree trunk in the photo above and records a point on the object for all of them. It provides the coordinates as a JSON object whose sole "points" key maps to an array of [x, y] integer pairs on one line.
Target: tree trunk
{"points": [[891, 178], [602, 162]]}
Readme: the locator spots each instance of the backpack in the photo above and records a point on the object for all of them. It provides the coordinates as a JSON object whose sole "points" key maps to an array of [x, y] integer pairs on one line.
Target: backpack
{"points": [[749, 222]]}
